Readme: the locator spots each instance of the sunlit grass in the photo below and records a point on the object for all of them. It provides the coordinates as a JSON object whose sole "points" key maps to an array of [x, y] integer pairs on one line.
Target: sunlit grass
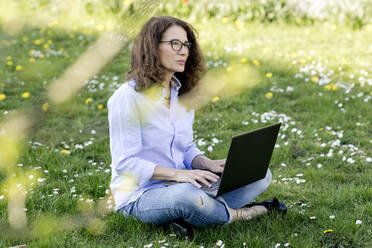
{"points": [[252, 72]]}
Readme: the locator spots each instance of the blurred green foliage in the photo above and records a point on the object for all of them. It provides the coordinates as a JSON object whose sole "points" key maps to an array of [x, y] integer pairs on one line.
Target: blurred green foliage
{"points": [[351, 13], [355, 14], [120, 13]]}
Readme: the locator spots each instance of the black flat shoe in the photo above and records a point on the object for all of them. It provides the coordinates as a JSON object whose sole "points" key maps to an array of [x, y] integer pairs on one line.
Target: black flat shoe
{"points": [[273, 206], [180, 228]]}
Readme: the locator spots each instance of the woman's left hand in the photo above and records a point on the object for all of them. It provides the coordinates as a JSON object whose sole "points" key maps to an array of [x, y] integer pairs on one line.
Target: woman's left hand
{"points": [[216, 166], [202, 162]]}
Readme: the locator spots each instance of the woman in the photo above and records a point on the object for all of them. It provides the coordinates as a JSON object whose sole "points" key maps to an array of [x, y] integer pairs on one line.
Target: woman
{"points": [[151, 137]]}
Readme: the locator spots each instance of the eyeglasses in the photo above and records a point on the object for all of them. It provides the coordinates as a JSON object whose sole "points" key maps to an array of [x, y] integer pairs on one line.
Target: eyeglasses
{"points": [[177, 45]]}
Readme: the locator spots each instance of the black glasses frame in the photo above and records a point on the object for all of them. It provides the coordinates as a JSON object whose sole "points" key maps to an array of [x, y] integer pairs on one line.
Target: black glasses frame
{"points": [[187, 44]]}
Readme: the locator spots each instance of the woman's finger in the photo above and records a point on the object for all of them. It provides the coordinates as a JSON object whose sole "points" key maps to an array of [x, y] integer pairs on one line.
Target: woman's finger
{"points": [[211, 178], [202, 180], [222, 162], [195, 183], [212, 174]]}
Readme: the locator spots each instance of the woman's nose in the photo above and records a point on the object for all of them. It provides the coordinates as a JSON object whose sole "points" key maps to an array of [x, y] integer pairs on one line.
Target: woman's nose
{"points": [[184, 50]]}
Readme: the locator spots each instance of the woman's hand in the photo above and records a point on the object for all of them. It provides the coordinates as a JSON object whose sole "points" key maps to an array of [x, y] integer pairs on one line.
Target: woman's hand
{"points": [[216, 166], [202, 162], [196, 177]]}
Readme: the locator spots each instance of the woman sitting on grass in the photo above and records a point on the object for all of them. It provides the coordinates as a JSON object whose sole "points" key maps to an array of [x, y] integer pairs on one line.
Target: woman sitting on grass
{"points": [[151, 137]]}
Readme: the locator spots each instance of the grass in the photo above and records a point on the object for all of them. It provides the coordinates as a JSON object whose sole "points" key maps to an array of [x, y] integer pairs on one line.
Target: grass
{"points": [[308, 177]]}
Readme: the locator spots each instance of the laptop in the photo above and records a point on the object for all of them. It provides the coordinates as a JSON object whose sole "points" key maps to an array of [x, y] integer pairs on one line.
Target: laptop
{"points": [[247, 160]]}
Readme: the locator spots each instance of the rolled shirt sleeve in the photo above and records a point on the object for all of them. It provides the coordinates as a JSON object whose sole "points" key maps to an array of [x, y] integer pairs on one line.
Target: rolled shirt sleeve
{"points": [[125, 137]]}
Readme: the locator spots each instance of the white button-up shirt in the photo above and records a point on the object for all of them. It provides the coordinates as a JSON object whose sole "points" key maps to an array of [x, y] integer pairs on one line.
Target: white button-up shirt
{"points": [[145, 133]]}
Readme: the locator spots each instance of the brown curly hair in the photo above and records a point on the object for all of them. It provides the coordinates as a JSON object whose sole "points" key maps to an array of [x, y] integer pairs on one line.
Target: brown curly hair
{"points": [[145, 63]]}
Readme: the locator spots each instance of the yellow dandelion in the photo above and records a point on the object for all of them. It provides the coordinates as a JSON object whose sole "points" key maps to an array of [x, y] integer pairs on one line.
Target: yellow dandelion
{"points": [[334, 87], [24, 38], [10, 63], [329, 132], [302, 61], [101, 27], [31, 52], [67, 56], [314, 79], [2, 97], [239, 24], [65, 152], [87, 32], [25, 95], [50, 42], [37, 42], [229, 68], [41, 56], [327, 87], [269, 95], [71, 36], [328, 231], [370, 93], [18, 68], [321, 129], [215, 99], [215, 57], [256, 62], [53, 23], [8, 57], [45, 106], [243, 60], [100, 106], [269, 75], [31, 60], [88, 100], [225, 19], [369, 27], [46, 46]]}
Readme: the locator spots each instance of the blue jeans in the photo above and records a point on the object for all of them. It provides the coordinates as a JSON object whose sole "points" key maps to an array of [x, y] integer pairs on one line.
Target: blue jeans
{"points": [[186, 201]]}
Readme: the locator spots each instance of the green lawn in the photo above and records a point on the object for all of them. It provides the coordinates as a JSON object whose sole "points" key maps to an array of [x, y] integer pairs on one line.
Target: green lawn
{"points": [[316, 80]]}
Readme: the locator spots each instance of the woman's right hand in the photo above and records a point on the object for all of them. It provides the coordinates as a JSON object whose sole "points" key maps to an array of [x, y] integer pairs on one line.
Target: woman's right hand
{"points": [[196, 177]]}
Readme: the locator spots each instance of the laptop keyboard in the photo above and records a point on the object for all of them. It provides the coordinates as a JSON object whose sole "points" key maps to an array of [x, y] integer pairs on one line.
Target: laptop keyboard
{"points": [[212, 191]]}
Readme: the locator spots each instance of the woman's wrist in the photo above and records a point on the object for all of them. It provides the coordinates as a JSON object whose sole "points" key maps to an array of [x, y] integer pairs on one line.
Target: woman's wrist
{"points": [[164, 173], [200, 162]]}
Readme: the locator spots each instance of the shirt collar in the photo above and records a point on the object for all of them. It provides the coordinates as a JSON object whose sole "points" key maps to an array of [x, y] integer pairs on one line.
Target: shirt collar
{"points": [[175, 83]]}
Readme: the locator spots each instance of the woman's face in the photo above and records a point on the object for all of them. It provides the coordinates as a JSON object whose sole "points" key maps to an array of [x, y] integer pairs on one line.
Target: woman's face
{"points": [[173, 61]]}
